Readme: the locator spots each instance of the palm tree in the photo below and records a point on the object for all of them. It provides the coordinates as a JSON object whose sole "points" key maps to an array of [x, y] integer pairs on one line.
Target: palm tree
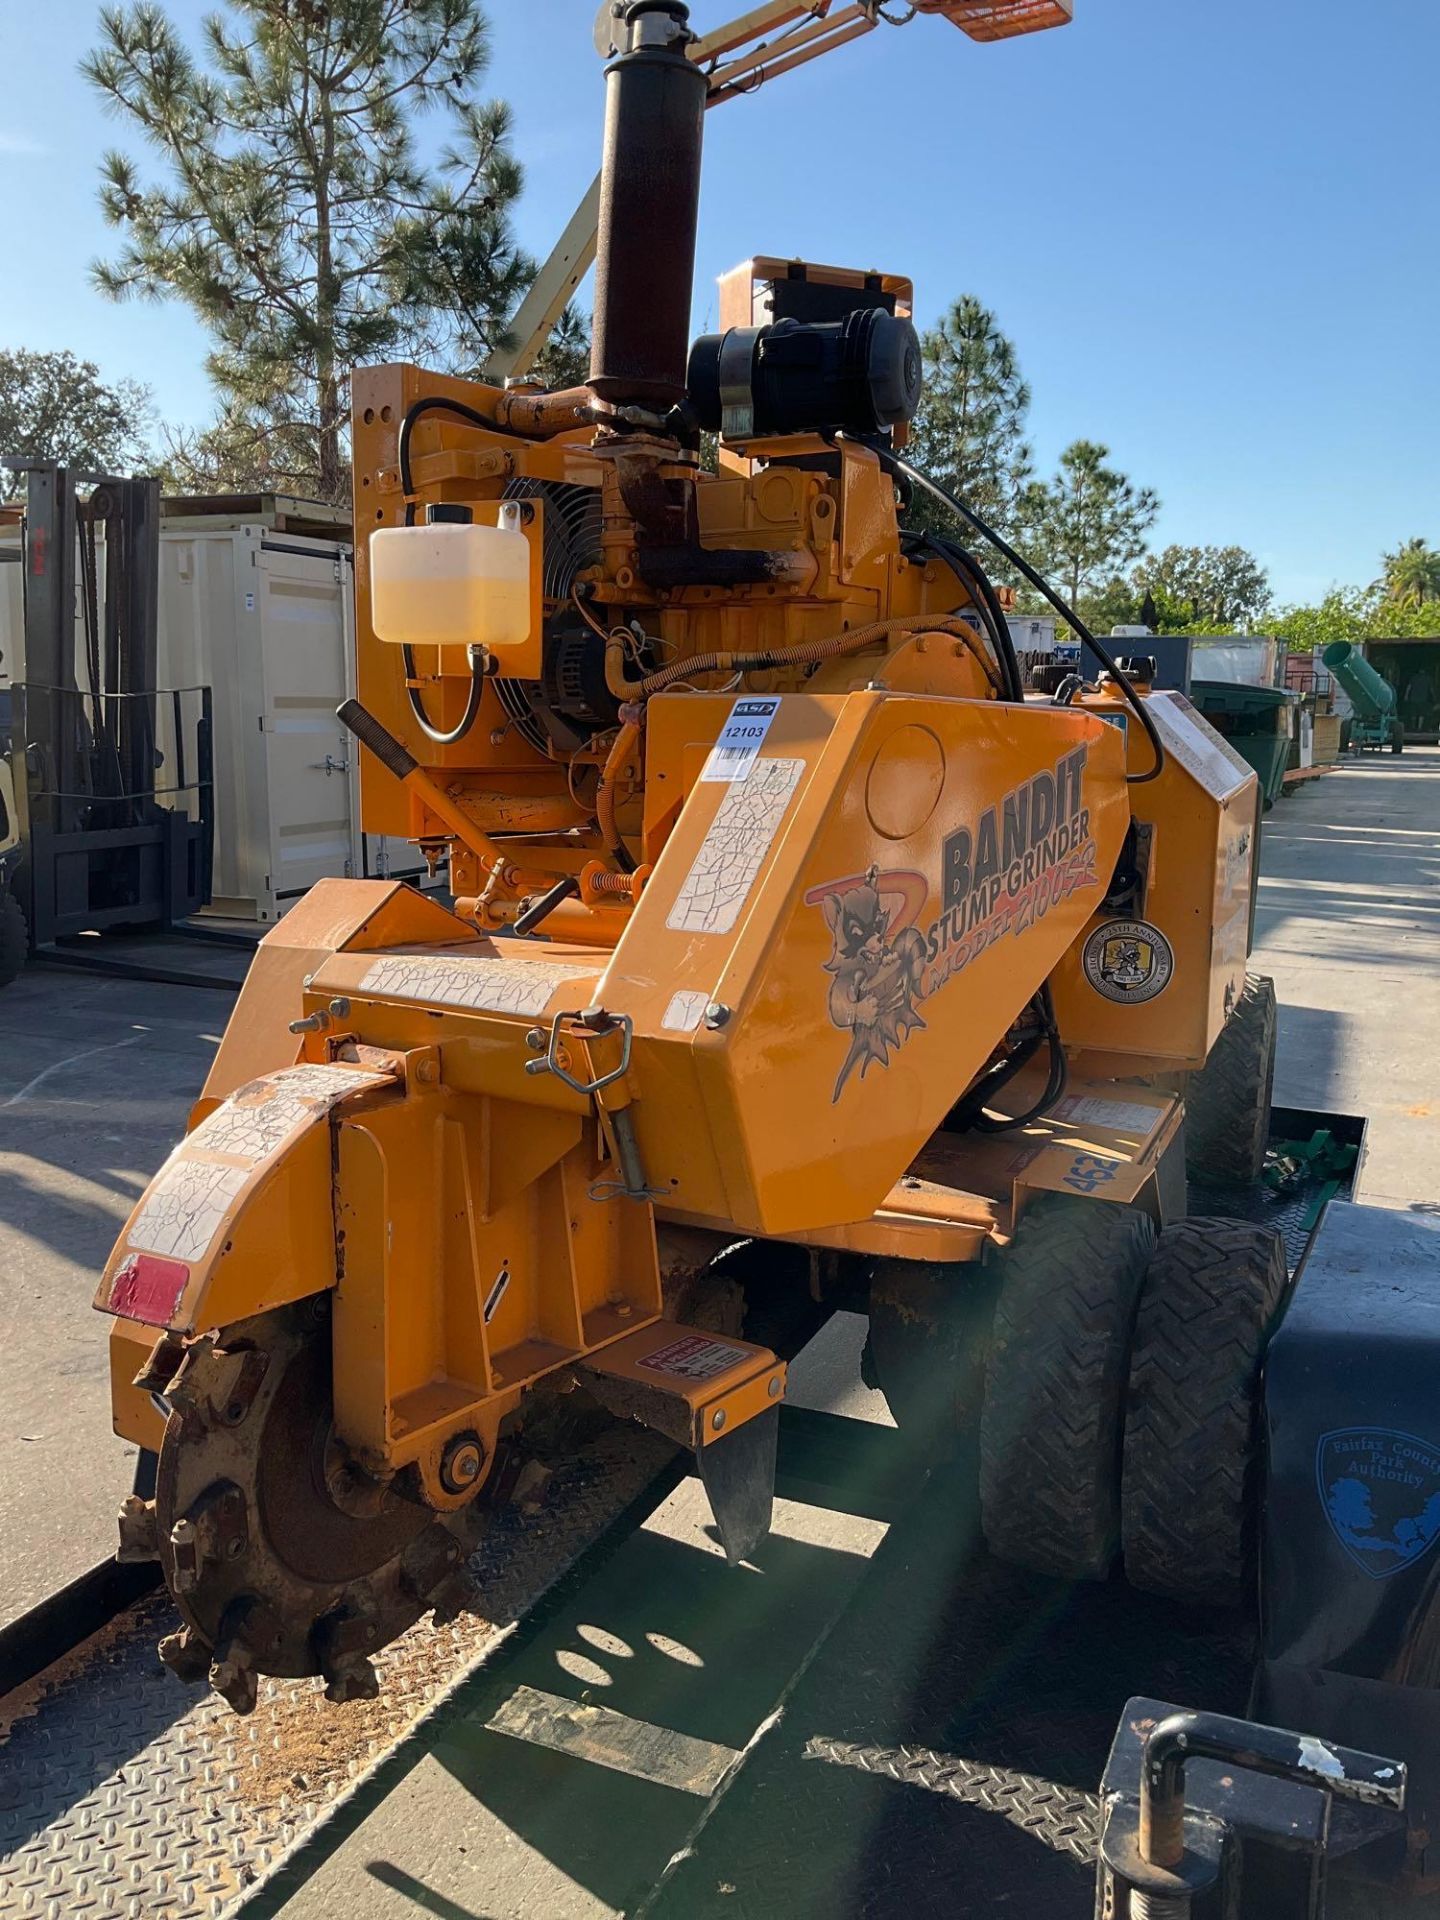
{"points": [[1412, 574]]}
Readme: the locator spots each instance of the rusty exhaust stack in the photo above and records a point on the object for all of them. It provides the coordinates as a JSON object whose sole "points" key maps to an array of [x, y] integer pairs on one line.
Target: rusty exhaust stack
{"points": [[649, 207]]}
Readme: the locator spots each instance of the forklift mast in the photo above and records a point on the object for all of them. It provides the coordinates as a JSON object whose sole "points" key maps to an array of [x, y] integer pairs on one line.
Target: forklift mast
{"points": [[113, 780]]}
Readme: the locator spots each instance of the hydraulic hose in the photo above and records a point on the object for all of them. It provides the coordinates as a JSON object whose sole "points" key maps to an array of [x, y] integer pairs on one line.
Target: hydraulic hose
{"points": [[626, 741], [981, 589], [805, 653], [970, 1111], [896, 465]]}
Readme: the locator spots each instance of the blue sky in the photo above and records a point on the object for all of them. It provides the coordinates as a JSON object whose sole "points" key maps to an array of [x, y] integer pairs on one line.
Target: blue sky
{"points": [[1209, 225]]}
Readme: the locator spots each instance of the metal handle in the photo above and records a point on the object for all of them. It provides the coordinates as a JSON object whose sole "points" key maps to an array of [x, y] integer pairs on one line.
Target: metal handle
{"points": [[589, 1018], [530, 918], [397, 759], [1368, 1778]]}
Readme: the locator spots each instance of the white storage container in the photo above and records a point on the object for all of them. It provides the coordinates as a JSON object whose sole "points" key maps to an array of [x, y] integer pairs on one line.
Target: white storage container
{"points": [[265, 619]]}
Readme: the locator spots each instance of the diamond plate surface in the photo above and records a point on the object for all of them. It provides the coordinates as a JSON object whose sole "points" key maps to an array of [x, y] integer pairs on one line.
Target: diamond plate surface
{"points": [[942, 1752], [1066, 1821], [1291, 1215], [1287, 1213], [124, 1793]]}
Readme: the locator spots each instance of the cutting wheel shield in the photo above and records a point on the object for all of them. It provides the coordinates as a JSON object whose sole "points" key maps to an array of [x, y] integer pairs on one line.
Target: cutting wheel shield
{"points": [[282, 1557]]}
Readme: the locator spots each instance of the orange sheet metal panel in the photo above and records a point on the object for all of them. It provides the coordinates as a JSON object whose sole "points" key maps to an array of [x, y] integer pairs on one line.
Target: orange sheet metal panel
{"points": [[1154, 987], [864, 910]]}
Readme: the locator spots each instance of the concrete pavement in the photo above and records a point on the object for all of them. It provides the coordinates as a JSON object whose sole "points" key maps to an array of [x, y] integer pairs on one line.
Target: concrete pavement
{"points": [[1348, 922], [96, 1078]]}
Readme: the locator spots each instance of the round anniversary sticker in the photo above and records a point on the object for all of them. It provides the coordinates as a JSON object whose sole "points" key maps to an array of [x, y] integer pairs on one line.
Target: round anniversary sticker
{"points": [[1128, 960]]}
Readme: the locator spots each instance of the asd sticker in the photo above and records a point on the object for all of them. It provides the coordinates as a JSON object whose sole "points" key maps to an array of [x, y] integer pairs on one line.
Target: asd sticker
{"points": [[1128, 960]]}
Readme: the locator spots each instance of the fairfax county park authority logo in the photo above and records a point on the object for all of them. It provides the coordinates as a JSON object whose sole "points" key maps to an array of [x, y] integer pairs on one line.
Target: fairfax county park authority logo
{"points": [[1381, 1494], [1128, 961]]}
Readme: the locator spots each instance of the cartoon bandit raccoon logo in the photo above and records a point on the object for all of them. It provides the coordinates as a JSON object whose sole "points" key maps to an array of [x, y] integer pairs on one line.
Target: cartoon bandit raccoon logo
{"points": [[876, 964], [999, 876]]}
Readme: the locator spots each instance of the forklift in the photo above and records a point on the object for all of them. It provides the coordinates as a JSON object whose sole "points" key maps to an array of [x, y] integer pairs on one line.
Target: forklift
{"points": [[106, 783]]}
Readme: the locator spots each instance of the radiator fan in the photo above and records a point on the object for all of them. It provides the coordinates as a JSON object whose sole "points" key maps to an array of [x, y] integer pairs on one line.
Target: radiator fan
{"points": [[561, 710]]}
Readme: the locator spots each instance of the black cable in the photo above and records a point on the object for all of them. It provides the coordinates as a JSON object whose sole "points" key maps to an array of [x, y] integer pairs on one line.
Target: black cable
{"points": [[443, 737], [1055, 1083], [970, 1110], [903, 468], [987, 602], [437, 403]]}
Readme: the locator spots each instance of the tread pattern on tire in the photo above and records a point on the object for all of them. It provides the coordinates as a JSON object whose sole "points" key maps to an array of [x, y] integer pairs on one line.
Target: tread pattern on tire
{"points": [[1055, 1384], [14, 939], [1189, 1485], [1227, 1104]]}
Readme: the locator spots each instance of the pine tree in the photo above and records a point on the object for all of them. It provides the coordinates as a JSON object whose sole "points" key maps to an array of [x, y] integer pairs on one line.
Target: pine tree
{"points": [[970, 431], [1088, 521], [297, 219]]}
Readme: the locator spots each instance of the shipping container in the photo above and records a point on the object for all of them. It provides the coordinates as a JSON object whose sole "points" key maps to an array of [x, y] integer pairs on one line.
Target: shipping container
{"points": [[262, 614], [1412, 667], [256, 601]]}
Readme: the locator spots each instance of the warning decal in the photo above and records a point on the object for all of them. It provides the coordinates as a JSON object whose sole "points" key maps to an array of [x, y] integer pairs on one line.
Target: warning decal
{"points": [[734, 849], [1093, 1110], [685, 1011], [472, 981], [694, 1358], [1197, 746]]}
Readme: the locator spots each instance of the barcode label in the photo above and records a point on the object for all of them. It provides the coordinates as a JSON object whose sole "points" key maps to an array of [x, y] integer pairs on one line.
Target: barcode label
{"points": [[741, 738]]}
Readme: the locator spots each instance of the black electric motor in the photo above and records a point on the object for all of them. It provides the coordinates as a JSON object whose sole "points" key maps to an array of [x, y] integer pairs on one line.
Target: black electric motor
{"points": [[860, 375]]}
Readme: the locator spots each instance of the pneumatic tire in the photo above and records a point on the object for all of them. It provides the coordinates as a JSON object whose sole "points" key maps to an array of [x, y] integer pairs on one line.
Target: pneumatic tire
{"points": [[1055, 1385], [1227, 1103], [1190, 1483], [14, 939]]}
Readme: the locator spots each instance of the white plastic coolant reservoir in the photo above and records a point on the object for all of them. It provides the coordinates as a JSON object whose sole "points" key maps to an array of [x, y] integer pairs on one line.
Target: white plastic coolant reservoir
{"points": [[451, 584]]}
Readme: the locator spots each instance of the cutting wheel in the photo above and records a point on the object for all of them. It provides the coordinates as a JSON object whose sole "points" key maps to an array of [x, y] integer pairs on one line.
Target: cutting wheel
{"points": [[282, 1557]]}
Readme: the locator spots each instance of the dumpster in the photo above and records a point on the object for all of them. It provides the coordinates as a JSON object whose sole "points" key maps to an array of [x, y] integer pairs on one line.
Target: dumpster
{"points": [[1257, 721]]}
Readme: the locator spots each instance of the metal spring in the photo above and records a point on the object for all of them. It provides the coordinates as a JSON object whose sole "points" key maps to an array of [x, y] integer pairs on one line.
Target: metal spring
{"points": [[1159, 1906]]}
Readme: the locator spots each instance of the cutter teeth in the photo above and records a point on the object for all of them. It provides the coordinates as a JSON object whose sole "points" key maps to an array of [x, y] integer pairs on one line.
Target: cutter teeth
{"points": [[351, 1676], [186, 1655], [459, 1594], [139, 1537], [233, 1675], [236, 1681]]}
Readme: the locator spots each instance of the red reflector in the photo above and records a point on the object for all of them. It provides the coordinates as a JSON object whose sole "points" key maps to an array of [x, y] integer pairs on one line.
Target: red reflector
{"points": [[148, 1288]]}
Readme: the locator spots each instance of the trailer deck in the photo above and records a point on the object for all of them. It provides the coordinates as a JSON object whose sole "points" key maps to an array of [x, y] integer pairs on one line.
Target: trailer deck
{"points": [[635, 1727]]}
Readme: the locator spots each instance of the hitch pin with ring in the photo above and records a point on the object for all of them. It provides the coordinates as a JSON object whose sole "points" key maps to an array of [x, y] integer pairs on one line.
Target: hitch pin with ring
{"points": [[596, 1021]]}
